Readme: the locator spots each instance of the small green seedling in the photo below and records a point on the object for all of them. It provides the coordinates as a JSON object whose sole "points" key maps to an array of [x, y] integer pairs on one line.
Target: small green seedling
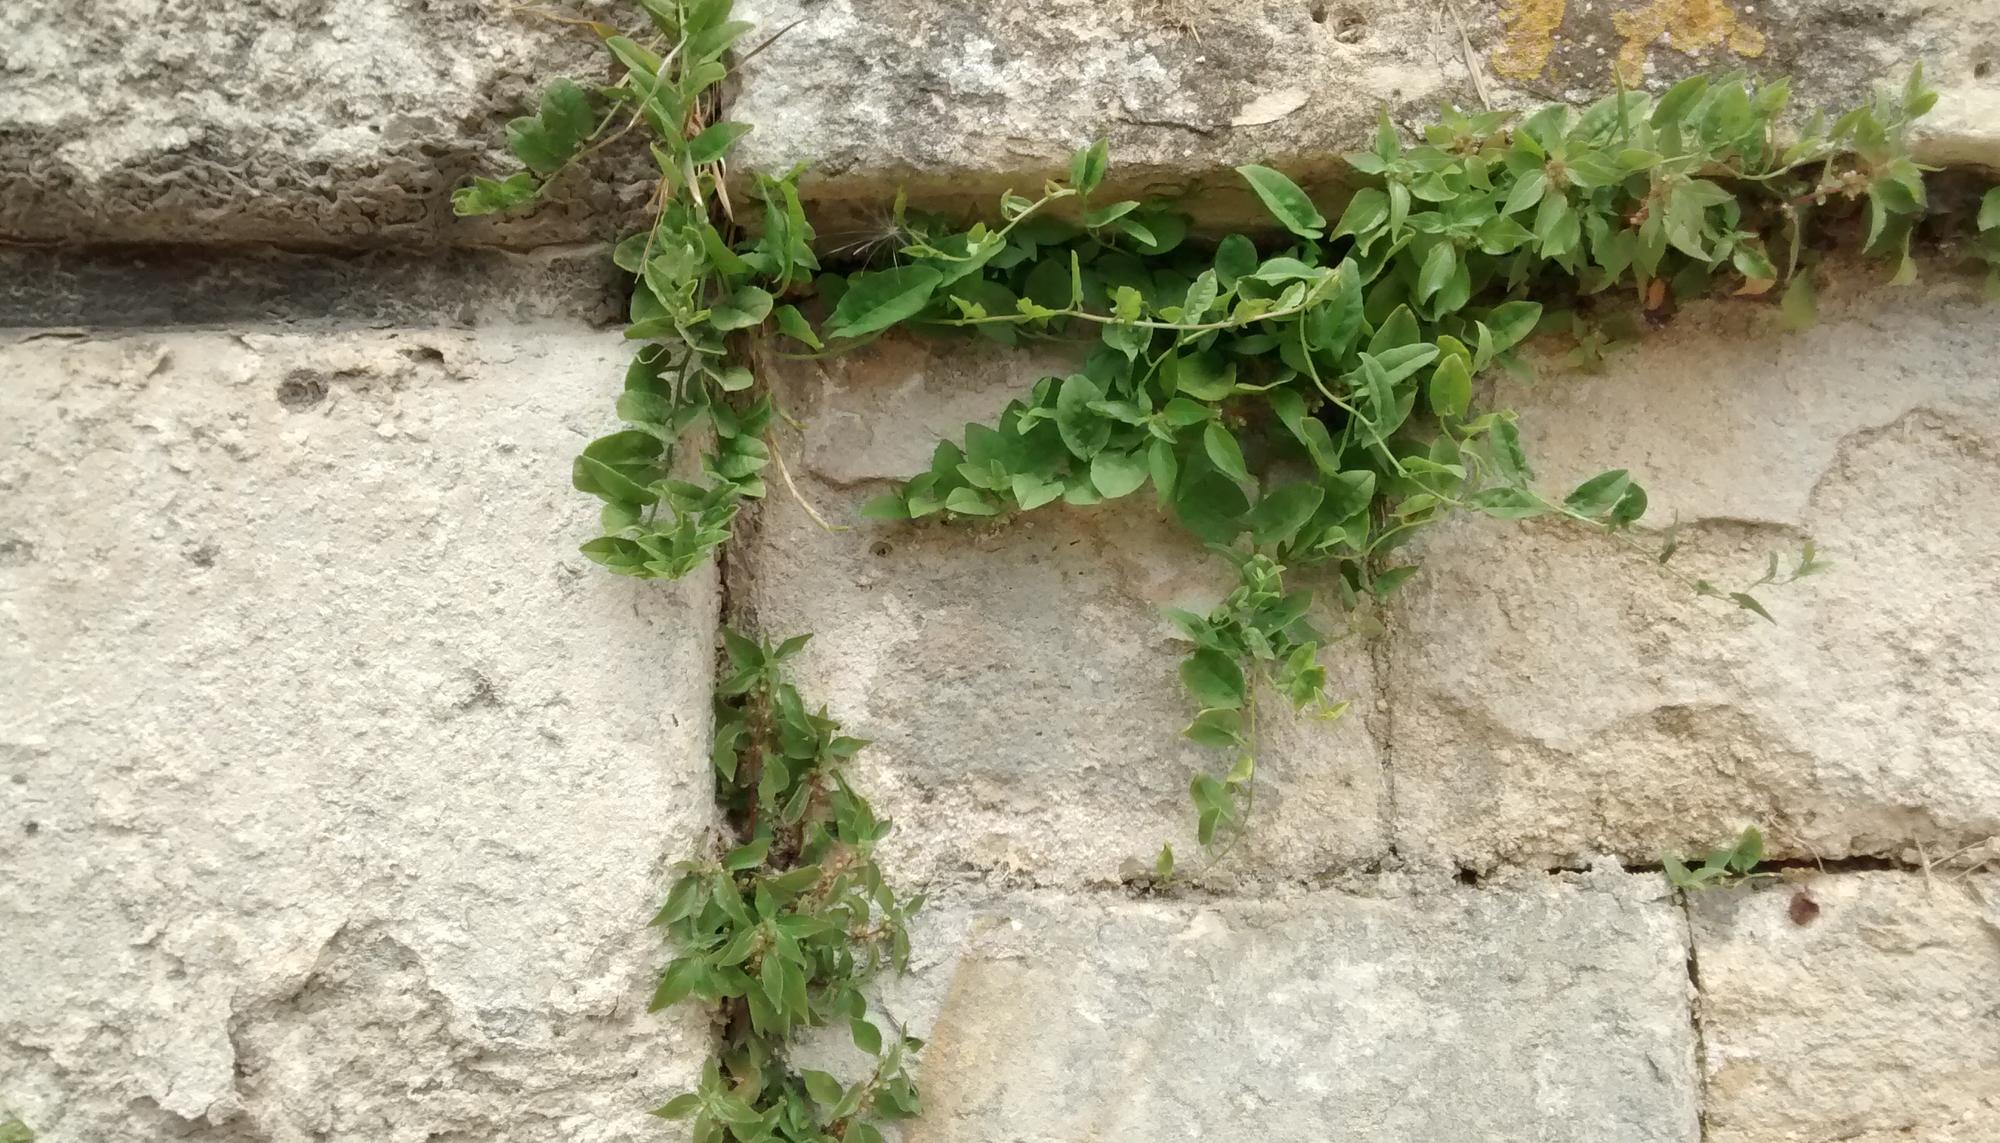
{"points": [[1733, 866]]}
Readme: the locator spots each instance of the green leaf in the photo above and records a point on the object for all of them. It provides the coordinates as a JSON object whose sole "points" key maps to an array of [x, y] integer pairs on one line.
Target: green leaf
{"points": [[1220, 728], [547, 141], [1116, 473], [1286, 202], [1365, 213], [1437, 270], [1209, 504], [1223, 451], [1087, 167], [1213, 679], [1507, 503], [887, 506], [1678, 99], [679, 1107], [1599, 494], [1526, 192], [715, 141], [1283, 511], [1083, 430], [824, 1089], [876, 300], [1749, 849], [1163, 865], [1511, 322], [747, 856], [1748, 602], [867, 1036], [971, 502], [490, 196], [1451, 387], [1989, 210], [1235, 259], [794, 325], [744, 307]]}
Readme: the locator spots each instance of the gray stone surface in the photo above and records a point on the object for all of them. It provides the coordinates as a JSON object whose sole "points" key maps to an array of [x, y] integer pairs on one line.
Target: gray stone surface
{"points": [[335, 788], [1873, 1023], [1017, 679], [1553, 1010], [960, 101], [345, 122], [1552, 696]]}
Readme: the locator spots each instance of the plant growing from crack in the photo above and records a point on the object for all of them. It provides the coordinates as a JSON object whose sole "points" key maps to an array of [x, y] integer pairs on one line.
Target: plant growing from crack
{"points": [[1301, 403], [780, 931], [1734, 865]]}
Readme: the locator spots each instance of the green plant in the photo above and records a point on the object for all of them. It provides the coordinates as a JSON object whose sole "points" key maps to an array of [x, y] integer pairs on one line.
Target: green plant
{"points": [[14, 1131], [1734, 865], [1312, 401], [1303, 401], [783, 929]]}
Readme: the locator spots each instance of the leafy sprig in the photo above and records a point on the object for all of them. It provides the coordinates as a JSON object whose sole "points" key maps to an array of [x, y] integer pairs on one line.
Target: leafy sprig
{"points": [[782, 930], [1723, 867]]}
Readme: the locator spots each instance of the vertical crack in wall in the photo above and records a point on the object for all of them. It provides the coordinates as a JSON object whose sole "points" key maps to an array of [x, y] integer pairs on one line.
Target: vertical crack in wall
{"points": [[1694, 1019], [1381, 659]]}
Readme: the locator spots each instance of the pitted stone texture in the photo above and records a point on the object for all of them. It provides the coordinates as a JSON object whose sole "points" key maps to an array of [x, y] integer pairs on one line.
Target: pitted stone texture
{"points": [[1548, 1010], [1553, 696], [1873, 1023], [335, 788], [1017, 679], [960, 101], [325, 122]]}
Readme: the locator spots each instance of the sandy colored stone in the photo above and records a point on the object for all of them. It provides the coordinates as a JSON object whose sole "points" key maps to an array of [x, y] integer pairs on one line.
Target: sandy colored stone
{"points": [[1873, 1023], [1549, 1010], [960, 101], [344, 122], [335, 787], [1016, 678], [1552, 696]]}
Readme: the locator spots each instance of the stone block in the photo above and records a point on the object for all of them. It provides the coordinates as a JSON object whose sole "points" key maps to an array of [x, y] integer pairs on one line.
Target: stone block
{"points": [[322, 124], [1017, 678], [959, 102], [1549, 1010], [336, 788], [1554, 696], [1872, 1022]]}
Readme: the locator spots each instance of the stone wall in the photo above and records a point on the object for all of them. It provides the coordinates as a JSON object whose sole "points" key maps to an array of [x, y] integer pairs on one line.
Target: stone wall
{"points": [[336, 788]]}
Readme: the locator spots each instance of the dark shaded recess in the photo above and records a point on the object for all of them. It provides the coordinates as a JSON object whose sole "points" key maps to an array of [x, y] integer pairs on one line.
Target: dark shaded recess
{"points": [[132, 286]]}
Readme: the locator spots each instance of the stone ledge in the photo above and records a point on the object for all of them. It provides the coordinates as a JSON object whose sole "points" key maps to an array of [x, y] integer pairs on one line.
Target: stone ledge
{"points": [[338, 788], [960, 102]]}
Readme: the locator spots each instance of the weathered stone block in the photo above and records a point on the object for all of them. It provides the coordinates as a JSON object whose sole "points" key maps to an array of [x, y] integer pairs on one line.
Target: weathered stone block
{"points": [[335, 788], [1017, 678], [1872, 1022], [960, 101], [1547, 1010], [1553, 696], [332, 124]]}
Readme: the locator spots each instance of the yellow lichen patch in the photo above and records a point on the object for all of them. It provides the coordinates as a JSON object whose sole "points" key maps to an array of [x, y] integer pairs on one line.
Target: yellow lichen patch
{"points": [[1531, 36], [1690, 26]]}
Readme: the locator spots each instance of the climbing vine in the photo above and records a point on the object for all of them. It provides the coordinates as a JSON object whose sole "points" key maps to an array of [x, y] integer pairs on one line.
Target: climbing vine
{"points": [[1300, 399]]}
